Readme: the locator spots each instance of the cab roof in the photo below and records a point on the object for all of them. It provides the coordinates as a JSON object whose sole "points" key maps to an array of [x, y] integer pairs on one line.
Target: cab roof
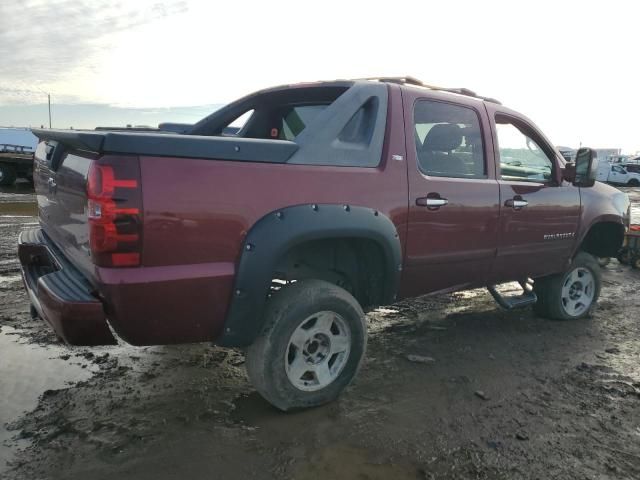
{"points": [[414, 82], [407, 81]]}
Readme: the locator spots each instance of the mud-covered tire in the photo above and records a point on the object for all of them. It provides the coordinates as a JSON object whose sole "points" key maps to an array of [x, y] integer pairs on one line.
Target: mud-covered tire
{"points": [[7, 175], [303, 308], [570, 295]]}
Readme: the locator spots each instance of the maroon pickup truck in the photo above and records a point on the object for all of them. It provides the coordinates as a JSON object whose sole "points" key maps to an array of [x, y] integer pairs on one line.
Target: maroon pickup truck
{"points": [[332, 197]]}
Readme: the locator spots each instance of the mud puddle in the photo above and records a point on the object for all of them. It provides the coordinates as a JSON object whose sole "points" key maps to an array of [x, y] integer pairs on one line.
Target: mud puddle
{"points": [[18, 209], [346, 462], [314, 448], [28, 371]]}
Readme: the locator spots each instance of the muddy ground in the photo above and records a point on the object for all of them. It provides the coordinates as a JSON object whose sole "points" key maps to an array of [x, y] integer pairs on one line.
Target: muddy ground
{"points": [[508, 396]]}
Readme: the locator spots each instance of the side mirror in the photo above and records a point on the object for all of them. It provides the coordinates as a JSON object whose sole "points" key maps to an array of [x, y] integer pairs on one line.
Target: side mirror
{"points": [[586, 168]]}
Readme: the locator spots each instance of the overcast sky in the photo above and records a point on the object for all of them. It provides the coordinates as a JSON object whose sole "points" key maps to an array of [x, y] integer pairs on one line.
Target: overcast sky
{"points": [[573, 67]]}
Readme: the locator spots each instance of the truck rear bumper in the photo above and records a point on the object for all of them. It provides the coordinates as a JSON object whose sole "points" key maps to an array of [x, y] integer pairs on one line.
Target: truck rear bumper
{"points": [[144, 305], [60, 294], [167, 304]]}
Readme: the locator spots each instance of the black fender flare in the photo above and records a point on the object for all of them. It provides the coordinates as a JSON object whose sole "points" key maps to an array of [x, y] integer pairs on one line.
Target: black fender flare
{"points": [[277, 232]]}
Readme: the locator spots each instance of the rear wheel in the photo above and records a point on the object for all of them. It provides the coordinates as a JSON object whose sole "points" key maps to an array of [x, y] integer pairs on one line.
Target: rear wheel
{"points": [[572, 294], [7, 174], [311, 346]]}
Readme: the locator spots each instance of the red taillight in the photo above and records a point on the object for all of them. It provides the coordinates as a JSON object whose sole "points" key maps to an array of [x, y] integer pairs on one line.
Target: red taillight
{"points": [[114, 211]]}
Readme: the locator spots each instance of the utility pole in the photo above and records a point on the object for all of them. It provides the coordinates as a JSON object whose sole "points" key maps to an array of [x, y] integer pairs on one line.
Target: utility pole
{"points": [[49, 101]]}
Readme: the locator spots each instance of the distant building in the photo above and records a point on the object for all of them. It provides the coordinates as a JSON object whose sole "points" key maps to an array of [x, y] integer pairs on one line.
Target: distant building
{"points": [[568, 153], [609, 155]]}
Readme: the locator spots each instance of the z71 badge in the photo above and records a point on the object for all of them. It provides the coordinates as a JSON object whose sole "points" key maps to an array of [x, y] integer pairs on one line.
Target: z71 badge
{"points": [[559, 236]]}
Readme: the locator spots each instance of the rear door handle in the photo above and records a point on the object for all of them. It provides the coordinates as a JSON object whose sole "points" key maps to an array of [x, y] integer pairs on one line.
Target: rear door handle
{"points": [[431, 202], [517, 203]]}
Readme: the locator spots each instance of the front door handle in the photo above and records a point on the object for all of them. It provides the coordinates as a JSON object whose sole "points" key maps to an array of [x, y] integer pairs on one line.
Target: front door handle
{"points": [[431, 202], [517, 203]]}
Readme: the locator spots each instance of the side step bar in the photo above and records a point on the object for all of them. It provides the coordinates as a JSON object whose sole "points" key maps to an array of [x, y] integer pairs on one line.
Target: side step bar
{"points": [[528, 296]]}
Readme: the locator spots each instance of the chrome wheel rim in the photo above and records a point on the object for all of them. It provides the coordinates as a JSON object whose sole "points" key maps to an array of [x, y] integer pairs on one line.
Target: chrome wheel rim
{"points": [[578, 291], [317, 351]]}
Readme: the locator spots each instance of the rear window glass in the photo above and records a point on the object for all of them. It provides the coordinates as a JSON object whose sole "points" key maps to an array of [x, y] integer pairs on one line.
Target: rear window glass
{"points": [[295, 120], [275, 114]]}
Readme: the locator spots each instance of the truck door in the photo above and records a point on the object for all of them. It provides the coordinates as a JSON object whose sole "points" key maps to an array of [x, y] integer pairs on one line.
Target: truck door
{"points": [[453, 194], [539, 212]]}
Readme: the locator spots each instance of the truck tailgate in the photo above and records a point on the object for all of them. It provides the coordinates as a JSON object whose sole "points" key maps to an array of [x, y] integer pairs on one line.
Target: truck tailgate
{"points": [[61, 191]]}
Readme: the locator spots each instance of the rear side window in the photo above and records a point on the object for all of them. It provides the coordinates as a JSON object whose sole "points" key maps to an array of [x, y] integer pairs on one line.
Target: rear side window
{"points": [[242, 120], [448, 140]]}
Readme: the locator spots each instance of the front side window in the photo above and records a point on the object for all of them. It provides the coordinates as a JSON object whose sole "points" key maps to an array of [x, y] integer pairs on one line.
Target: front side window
{"points": [[617, 169], [521, 157], [448, 140]]}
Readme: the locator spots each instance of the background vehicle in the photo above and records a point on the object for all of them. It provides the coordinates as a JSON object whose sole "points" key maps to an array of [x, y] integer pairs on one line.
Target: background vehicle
{"points": [[618, 174], [16, 154], [332, 198], [16, 161]]}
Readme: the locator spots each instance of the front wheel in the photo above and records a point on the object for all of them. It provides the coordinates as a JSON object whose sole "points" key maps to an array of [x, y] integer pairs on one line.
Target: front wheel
{"points": [[311, 347], [634, 182], [570, 295]]}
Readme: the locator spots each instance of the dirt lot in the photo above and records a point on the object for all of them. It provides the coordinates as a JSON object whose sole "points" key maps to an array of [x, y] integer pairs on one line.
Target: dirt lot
{"points": [[507, 395]]}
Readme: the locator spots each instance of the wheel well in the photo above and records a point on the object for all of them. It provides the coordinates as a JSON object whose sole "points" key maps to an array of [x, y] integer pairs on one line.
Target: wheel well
{"points": [[603, 239], [355, 264]]}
